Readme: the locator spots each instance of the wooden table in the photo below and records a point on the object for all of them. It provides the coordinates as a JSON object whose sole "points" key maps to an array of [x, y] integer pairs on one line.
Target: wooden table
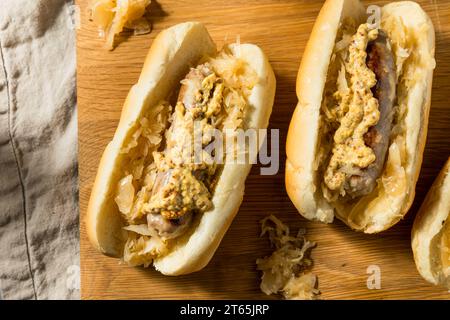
{"points": [[342, 256]]}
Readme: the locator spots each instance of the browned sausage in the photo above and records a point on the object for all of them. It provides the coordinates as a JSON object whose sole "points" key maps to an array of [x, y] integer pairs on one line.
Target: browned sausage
{"points": [[164, 222], [168, 228], [380, 60], [191, 86]]}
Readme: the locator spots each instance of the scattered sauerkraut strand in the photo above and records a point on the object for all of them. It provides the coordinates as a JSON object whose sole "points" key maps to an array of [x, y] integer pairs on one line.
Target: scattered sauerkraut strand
{"points": [[287, 270], [112, 16]]}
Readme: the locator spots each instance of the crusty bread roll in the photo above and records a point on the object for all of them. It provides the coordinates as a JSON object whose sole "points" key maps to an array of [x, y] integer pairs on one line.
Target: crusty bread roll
{"points": [[411, 36], [431, 232], [172, 53]]}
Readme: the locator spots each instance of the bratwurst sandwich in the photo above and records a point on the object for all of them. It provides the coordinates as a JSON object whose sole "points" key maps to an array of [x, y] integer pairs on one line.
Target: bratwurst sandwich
{"points": [[356, 138], [155, 200]]}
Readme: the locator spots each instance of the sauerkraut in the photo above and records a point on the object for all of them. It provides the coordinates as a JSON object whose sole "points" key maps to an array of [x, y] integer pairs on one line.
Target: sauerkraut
{"points": [[239, 80], [287, 270], [125, 194], [235, 71], [140, 249], [112, 16], [140, 168]]}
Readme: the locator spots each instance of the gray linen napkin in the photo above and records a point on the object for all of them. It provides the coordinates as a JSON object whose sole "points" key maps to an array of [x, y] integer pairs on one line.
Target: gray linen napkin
{"points": [[39, 235]]}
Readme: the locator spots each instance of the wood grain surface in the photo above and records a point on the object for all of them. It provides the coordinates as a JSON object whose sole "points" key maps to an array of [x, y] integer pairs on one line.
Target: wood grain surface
{"points": [[342, 256]]}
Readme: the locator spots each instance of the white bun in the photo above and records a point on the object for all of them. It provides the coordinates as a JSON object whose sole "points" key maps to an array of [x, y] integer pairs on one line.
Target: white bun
{"points": [[429, 229], [171, 55], [302, 180]]}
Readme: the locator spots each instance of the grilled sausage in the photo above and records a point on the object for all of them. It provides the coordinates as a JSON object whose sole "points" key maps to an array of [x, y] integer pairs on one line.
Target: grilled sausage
{"points": [[190, 91], [380, 60], [168, 228], [169, 185]]}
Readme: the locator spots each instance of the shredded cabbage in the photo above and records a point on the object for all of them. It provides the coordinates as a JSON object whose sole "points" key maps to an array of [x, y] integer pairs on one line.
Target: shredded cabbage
{"points": [[125, 194], [302, 287], [343, 43], [239, 79], [146, 138], [235, 106], [133, 142], [140, 249], [112, 16], [141, 229], [151, 130], [286, 270], [394, 177], [235, 71], [136, 210]]}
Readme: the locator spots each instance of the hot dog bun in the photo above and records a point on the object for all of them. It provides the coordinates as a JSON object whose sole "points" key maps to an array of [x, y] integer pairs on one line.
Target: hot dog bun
{"points": [[431, 232], [411, 34], [173, 52]]}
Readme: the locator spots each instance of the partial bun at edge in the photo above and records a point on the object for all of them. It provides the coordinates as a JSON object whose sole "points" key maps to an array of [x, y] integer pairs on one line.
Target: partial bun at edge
{"points": [[426, 234]]}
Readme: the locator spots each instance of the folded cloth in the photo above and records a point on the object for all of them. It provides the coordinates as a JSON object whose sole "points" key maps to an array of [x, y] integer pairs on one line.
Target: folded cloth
{"points": [[39, 234]]}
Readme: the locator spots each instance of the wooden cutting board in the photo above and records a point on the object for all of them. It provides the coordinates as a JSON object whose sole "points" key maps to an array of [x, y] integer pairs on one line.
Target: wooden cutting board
{"points": [[342, 256]]}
